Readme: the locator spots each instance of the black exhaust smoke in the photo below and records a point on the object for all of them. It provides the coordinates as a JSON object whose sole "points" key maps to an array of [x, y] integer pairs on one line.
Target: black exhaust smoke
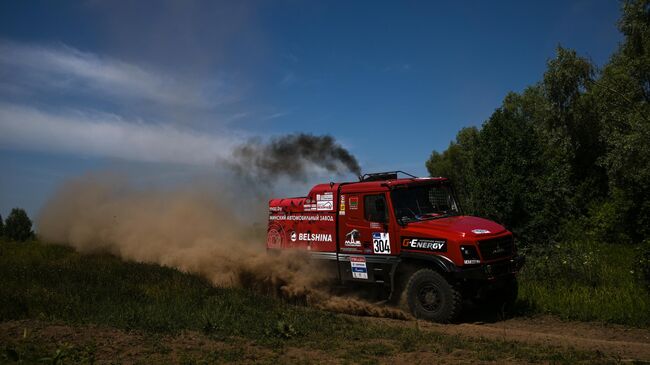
{"points": [[291, 155]]}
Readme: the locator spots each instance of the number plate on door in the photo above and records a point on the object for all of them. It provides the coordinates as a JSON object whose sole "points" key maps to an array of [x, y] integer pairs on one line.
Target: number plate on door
{"points": [[381, 243]]}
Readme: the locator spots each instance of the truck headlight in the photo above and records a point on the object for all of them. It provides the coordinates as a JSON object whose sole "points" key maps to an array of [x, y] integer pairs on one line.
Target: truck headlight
{"points": [[470, 255]]}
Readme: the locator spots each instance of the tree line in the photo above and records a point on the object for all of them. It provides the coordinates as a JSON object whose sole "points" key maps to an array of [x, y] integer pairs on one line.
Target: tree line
{"points": [[17, 226], [570, 155]]}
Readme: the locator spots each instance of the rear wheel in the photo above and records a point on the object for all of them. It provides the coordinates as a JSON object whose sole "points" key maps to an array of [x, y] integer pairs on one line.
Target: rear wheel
{"points": [[431, 297]]}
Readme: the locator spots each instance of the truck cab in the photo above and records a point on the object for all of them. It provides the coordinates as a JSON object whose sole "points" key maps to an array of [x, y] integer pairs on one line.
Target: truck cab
{"points": [[406, 235]]}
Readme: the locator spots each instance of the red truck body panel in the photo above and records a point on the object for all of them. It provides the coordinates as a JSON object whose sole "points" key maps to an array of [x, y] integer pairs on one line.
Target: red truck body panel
{"points": [[305, 223]]}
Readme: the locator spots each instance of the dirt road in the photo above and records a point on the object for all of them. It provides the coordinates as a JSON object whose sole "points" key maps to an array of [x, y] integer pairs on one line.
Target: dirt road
{"points": [[621, 342], [110, 345]]}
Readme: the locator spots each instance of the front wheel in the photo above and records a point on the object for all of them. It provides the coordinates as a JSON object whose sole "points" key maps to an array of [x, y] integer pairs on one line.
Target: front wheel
{"points": [[431, 297]]}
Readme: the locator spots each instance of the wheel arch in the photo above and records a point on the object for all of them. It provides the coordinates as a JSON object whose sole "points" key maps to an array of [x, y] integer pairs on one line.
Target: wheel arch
{"points": [[438, 263], [411, 262]]}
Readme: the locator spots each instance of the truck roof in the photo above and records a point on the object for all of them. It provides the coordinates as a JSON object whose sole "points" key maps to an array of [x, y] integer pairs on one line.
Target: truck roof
{"points": [[388, 183], [374, 184], [320, 195]]}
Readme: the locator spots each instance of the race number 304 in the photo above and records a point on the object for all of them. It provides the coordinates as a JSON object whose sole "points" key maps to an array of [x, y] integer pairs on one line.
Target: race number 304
{"points": [[381, 243]]}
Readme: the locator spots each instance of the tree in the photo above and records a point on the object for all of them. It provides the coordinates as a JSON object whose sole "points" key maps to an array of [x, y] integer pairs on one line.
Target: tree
{"points": [[569, 155], [2, 227], [457, 164], [18, 226], [533, 164], [623, 100], [571, 128], [508, 167]]}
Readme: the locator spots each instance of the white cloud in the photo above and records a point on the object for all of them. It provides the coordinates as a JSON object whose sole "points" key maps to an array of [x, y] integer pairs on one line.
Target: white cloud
{"points": [[98, 134], [62, 67]]}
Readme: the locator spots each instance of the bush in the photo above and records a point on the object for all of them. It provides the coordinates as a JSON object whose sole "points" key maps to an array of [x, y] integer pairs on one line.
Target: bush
{"points": [[567, 262], [18, 226]]}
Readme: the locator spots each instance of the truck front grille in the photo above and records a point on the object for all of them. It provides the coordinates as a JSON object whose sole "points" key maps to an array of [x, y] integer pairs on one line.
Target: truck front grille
{"points": [[495, 248]]}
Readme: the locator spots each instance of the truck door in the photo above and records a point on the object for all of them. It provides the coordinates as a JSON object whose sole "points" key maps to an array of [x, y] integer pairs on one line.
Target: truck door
{"points": [[365, 242], [375, 212]]}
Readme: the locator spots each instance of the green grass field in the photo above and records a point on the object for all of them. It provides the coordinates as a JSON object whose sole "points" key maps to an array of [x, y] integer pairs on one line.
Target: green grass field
{"points": [[53, 284], [588, 282]]}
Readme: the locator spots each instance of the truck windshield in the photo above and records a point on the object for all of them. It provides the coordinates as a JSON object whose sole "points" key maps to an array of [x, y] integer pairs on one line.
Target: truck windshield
{"points": [[415, 203]]}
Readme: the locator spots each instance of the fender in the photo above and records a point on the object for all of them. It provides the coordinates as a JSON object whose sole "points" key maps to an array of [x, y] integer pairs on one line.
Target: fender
{"points": [[440, 262]]}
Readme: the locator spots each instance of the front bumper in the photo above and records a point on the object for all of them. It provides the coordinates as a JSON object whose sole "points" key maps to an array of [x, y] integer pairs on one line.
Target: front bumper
{"points": [[493, 270]]}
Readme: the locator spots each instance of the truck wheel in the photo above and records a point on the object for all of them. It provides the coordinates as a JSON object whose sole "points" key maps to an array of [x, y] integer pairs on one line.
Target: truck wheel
{"points": [[431, 297]]}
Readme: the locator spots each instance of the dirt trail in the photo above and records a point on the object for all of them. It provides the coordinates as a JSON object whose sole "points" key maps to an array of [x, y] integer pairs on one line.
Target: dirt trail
{"points": [[111, 344], [613, 340]]}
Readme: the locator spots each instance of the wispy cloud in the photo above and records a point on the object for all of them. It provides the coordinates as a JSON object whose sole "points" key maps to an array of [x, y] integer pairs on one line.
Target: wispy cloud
{"points": [[275, 115], [99, 134], [288, 79], [405, 67], [36, 67]]}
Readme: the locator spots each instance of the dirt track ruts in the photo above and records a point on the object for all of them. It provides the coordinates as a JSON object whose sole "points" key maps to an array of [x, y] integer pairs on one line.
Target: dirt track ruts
{"points": [[619, 341]]}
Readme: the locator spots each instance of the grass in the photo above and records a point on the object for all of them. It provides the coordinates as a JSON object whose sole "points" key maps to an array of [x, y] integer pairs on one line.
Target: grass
{"points": [[587, 281], [55, 284]]}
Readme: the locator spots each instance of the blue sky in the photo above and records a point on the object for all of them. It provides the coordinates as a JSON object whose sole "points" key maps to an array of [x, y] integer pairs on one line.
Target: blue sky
{"points": [[164, 89]]}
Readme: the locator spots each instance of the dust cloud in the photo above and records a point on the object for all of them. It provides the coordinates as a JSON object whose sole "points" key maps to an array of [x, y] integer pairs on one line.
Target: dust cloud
{"points": [[192, 229]]}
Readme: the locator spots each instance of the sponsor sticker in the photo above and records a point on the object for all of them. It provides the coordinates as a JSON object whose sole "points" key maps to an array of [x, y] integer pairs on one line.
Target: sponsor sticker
{"points": [[324, 205], [342, 205], [303, 217], [274, 238], [293, 236], [354, 203], [425, 244], [381, 243], [353, 238], [318, 237], [358, 266], [350, 249], [480, 231], [324, 202]]}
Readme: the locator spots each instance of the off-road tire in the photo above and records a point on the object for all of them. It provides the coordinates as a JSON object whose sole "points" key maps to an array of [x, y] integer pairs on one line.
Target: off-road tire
{"points": [[429, 296]]}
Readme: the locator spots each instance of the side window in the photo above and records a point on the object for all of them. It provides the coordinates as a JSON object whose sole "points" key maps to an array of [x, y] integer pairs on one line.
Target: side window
{"points": [[375, 209]]}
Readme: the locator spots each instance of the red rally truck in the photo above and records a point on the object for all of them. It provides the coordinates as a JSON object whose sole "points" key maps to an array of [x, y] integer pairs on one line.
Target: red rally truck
{"points": [[405, 236]]}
